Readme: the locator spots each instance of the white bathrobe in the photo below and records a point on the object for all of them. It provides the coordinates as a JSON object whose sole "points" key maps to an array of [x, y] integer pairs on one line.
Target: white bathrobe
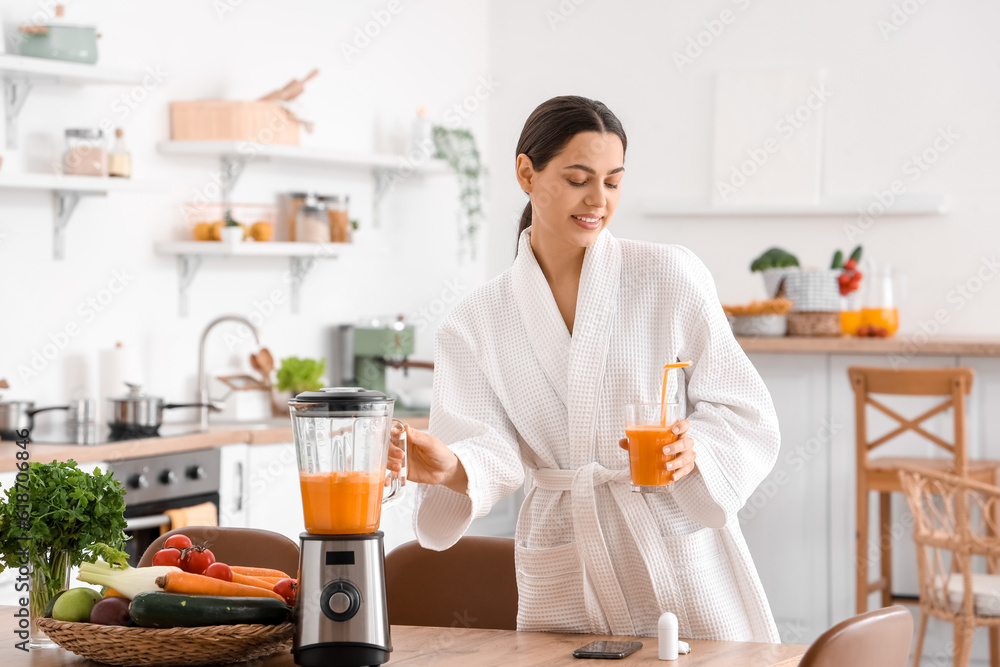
{"points": [[519, 400]]}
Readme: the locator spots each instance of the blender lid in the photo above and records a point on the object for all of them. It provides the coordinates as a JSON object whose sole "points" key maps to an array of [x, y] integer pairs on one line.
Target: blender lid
{"points": [[337, 395]]}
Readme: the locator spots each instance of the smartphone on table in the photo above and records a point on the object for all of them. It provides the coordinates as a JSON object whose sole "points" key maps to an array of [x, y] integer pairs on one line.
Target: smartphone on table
{"points": [[609, 650]]}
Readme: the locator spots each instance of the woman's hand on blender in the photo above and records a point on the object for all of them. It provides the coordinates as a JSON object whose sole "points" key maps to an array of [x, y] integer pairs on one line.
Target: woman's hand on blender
{"points": [[430, 460]]}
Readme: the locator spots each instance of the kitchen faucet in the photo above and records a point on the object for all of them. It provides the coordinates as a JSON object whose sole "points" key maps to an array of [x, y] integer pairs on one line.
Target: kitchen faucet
{"points": [[202, 378]]}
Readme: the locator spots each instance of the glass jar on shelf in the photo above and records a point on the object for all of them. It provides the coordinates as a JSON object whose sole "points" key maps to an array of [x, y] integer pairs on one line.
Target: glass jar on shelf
{"points": [[312, 224], [337, 213], [85, 153]]}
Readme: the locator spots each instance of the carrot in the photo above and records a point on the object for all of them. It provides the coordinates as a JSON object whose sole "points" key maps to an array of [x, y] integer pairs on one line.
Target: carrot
{"points": [[253, 581], [272, 580], [198, 584], [258, 571]]}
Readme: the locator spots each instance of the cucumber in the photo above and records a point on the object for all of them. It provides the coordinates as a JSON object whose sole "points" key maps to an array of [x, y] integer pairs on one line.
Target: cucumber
{"points": [[157, 609]]}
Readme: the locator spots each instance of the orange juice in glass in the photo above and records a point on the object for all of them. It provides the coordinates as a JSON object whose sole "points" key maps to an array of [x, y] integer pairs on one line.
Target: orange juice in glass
{"points": [[887, 318], [648, 429]]}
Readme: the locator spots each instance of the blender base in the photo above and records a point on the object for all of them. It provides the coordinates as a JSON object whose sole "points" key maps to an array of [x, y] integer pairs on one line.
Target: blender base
{"points": [[341, 654]]}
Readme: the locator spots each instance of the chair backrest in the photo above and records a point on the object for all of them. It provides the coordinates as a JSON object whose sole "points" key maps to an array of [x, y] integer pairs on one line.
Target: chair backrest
{"points": [[955, 383], [470, 585], [879, 638], [954, 519], [237, 546]]}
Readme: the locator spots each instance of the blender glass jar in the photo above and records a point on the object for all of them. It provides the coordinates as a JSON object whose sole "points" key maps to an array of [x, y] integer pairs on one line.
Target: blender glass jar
{"points": [[342, 443]]}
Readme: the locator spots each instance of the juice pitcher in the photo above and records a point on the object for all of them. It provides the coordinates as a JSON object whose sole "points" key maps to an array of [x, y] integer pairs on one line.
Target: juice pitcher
{"points": [[879, 306], [342, 442]]}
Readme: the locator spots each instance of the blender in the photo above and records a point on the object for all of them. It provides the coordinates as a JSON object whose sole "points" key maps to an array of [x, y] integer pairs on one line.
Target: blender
{"points": [[342, 443]]}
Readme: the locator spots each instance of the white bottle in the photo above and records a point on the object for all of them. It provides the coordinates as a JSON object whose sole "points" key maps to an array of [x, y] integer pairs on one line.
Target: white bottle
{"points": [[422, 138], [666, 629]]}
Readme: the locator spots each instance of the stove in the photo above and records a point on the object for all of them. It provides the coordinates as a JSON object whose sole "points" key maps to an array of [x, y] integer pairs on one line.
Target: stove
{"points": [[101, 434], [155, 484]]}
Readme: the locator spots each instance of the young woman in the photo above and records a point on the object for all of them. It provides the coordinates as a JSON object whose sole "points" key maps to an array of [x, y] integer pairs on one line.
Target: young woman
{"points": [[531, 374]]}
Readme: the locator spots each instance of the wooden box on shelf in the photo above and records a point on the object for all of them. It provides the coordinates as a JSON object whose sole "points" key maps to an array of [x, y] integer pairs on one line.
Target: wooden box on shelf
{"points": [[264, 122]]}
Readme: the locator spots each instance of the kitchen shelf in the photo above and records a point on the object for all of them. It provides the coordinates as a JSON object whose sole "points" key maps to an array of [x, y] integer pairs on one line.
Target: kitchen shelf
{"points": [[66, 193], [21, 73], [300, 256], [234, 156], [904, 205]]}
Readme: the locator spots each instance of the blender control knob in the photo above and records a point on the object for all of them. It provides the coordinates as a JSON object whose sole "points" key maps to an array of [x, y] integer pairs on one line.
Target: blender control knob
{"points": [[340, 601], [138, 481], [168, 477]]}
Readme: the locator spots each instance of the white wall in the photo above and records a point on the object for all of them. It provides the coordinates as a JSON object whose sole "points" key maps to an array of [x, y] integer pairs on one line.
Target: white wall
{"points": [[431, 53], [889, 97]]}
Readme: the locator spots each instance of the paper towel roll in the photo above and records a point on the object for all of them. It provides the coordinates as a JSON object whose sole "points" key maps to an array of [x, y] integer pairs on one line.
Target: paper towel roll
{"points": [[115, 367]]}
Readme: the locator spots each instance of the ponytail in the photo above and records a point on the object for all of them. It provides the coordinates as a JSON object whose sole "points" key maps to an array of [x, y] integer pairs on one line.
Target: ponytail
{"points": [[552, 125], [525, 223]]}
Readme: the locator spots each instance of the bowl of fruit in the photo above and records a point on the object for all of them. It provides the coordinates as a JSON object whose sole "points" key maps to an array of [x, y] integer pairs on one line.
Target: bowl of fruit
{"points": [[185, 609]]}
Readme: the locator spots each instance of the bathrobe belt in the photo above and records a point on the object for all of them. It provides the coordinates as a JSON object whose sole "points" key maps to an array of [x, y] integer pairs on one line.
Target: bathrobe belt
{"points": [[590, 544]]}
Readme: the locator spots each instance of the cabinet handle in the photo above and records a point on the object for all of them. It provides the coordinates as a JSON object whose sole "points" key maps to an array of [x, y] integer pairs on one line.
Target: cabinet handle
{"points": [[239, 479]]}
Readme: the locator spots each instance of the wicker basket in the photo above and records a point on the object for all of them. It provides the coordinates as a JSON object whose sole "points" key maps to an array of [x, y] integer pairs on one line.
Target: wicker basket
{"points": [[208, 645]]}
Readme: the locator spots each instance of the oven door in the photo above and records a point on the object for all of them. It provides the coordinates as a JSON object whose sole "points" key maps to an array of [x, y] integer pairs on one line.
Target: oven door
{"points": [[147, 521]]}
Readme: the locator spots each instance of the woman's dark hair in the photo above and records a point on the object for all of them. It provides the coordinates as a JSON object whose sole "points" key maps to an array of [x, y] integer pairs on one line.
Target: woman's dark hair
{"points": [[553, 124]]}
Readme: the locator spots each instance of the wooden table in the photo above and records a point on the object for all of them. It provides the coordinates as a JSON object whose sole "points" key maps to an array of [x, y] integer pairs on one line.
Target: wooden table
{"points": [[462, 647]]}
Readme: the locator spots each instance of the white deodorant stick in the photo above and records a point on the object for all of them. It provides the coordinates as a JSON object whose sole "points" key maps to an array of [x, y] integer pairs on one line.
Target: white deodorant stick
{"points": [[667, 631]]}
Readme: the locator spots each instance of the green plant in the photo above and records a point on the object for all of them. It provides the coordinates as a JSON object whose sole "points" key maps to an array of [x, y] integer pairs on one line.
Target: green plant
{"points": [[298, 375], [230, 221], [458, 148], [61, 517]]}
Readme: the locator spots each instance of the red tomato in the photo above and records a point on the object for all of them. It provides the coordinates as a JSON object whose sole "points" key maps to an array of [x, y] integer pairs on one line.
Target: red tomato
{"points": [[219, 571], [196, 560], [178, 542], [167, 557], [287, 588]]}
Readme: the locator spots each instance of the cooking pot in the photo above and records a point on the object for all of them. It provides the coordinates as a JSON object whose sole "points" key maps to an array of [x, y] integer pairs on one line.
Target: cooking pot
{"points": [[20, 416], [138, 409]]}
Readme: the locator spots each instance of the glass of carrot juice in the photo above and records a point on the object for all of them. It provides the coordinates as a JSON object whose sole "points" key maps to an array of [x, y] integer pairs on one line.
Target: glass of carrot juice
{"points": [[647, 426]]}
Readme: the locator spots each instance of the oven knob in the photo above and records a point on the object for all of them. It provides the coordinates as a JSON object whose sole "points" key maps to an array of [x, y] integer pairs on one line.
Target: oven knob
{"points": [[168, 477], [196, 472], [138, 481]]}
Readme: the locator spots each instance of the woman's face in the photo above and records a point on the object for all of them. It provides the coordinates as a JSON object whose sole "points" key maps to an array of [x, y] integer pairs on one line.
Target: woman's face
{"points": [[576, 194]]}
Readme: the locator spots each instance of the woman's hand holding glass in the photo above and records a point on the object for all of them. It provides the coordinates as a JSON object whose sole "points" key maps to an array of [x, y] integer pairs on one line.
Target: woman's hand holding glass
{"points": [[683, 450]]}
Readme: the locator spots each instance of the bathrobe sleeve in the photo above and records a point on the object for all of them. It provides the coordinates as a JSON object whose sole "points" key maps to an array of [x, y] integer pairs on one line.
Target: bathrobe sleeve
{"points": [[466, 415], [733, 423]]}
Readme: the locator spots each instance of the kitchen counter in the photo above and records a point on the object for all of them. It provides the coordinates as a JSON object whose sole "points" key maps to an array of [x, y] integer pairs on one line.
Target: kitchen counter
{"points": [[906, 345], [462, 647], [175, 438]]}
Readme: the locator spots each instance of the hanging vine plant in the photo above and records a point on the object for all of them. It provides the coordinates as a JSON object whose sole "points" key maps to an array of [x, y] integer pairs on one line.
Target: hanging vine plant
{"points": [[458, 148]]}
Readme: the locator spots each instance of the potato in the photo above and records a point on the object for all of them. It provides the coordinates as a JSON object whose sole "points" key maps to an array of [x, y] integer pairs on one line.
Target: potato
{"points": [[111, 611]]}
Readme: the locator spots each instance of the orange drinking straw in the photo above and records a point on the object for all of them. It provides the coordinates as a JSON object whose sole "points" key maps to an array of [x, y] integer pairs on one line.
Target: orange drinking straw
{"points": [[663, 392]]}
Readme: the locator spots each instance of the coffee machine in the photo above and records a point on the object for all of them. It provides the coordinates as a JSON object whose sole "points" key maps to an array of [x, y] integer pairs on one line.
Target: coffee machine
{"points": [[342, 443]]}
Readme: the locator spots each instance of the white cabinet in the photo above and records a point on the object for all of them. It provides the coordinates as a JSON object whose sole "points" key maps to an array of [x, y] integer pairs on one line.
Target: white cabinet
{"points": [[273, 499], [233, 485], [785, 520]]}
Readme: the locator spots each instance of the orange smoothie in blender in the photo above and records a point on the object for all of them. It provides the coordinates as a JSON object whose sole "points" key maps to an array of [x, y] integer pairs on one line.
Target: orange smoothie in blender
{"points": [[341, 502]]}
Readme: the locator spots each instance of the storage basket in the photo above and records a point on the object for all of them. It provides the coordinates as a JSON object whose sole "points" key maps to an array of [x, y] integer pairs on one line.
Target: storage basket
{"points": [[814, 323], [813, 290], [207, 645]]}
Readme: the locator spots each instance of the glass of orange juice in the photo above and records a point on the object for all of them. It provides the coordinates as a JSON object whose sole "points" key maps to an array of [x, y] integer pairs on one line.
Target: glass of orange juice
{"points": [[647, 427]]}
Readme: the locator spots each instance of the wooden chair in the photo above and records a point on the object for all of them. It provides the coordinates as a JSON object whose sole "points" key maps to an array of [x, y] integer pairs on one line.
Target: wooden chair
{"points": [[237, 546], [955, 520], [880, 474], [471, 585], [879, 638]]}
